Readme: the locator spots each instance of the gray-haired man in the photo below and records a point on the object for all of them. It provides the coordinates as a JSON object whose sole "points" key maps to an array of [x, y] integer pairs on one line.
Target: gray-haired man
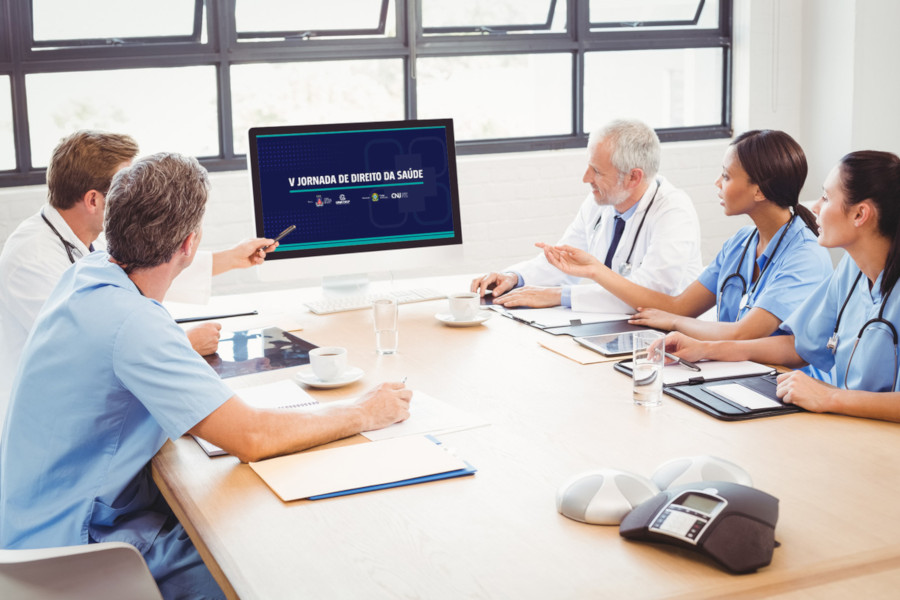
{"points": [[633, 219]]}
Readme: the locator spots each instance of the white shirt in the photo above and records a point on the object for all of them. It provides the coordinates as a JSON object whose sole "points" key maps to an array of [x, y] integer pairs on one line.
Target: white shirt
{"points": [[31, 263], [666, 255]]}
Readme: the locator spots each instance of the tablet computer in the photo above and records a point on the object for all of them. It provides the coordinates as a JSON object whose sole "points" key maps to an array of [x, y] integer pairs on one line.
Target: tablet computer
{"points": [[608, 344]]}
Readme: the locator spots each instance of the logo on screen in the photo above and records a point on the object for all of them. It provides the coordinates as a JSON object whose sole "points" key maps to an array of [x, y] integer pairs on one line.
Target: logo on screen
{"points": [[374, 196]]}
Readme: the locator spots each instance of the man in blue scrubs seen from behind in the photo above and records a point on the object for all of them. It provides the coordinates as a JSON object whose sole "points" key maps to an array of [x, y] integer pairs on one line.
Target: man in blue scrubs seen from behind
{"points": [[106, 377]]}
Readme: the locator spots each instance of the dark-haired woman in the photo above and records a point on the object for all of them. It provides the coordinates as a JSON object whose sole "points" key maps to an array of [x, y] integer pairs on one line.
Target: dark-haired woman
{"points": [[849, 324], [761, 274]]}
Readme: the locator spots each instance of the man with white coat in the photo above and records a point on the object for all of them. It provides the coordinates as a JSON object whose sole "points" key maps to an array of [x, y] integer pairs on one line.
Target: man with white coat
{"points": [[634, 220], [64, 230]]}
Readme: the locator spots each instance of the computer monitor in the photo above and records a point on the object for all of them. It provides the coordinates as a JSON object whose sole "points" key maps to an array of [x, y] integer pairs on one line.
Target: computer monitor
{"points": [[364, 197]]}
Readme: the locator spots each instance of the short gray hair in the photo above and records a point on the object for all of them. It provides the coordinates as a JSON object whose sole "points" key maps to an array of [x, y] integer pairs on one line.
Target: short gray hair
{"points": [[152, 207], [634, 145]]}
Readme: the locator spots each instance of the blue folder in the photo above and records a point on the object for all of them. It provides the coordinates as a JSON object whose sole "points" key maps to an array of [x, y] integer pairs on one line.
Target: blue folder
{"points": [[468, 470]]}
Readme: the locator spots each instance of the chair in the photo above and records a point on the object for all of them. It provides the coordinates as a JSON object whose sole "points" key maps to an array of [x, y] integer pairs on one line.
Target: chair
{"points": [[94, 571]]}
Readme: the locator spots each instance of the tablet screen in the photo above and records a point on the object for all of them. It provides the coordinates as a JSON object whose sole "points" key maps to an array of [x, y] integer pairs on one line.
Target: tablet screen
{"points": [[610, 344]]}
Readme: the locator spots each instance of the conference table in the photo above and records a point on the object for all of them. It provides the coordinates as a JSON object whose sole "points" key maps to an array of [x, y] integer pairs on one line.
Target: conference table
{"points": [[497, 534]]}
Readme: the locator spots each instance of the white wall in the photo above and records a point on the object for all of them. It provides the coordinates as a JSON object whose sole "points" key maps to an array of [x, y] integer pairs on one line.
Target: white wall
{"points": [[850, 83], [819, 69]]}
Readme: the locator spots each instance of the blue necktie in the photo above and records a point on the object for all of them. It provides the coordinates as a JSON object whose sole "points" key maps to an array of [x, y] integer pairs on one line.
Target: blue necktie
{"points": [[617, 235]]}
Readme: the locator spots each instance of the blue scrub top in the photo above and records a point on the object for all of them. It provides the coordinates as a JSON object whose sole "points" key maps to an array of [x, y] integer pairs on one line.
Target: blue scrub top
{"points": [[874, 365], [105, 378], [796, 269]]}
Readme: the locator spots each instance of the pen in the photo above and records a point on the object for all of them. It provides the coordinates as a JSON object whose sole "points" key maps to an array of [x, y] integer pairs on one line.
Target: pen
{"points": [[681, 361], [215, 317], [280, 235]]}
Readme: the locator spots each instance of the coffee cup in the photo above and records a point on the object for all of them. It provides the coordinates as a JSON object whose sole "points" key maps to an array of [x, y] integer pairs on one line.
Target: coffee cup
{"points": [[463, 306], [328, 362]]}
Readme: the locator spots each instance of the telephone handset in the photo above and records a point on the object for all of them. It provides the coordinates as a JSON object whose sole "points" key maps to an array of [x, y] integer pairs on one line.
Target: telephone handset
{"points": [[731, 523]]}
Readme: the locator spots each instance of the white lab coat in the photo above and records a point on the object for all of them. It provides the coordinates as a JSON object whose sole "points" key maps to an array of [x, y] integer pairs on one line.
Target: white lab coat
{"points": [[31, 263], [666, 255]]}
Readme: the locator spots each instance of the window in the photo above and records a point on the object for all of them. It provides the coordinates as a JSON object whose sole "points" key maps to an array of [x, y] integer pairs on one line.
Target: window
{"points": [[60, 23], [289, 19], [510, 95], [194, 75], [163, 109], [266, 94]]}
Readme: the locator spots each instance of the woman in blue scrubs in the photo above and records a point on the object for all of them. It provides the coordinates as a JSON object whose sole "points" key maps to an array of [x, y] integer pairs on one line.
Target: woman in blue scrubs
{"points": [[761, 274], [850, 322]]}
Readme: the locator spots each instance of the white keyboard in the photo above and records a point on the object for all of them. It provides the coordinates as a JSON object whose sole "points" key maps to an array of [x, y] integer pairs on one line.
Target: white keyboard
{"points": [[325, 306]]}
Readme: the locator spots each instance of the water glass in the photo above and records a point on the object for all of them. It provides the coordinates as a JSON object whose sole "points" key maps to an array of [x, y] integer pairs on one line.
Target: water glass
{"points": [[385, 317], [649, 358]]}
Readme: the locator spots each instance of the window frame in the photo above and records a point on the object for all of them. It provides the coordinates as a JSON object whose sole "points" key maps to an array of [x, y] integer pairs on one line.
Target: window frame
{"points": [[224, 47]]}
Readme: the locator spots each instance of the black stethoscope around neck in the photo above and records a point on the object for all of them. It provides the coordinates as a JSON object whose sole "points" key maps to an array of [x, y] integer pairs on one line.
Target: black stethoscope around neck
{"points": [[834, 339], [71, 249], [626, 267], [745, 294]]}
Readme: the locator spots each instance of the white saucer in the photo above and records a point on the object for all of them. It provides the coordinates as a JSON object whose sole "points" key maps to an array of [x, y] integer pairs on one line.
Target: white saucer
{"points": [[447, 319], [306, 376]]}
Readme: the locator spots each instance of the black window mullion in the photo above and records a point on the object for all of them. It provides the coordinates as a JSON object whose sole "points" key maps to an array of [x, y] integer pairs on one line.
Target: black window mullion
{"points": [[5, 41], [21, 133], [410, 34], [578, 28], [220, 34]]}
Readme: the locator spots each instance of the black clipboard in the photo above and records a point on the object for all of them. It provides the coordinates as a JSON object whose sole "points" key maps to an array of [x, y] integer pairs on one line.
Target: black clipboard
{"points": [[698, 393]]}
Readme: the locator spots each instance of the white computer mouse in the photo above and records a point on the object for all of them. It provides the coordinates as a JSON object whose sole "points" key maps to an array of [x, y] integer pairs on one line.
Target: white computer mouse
{"points": [[604, 496], [691, 469]]}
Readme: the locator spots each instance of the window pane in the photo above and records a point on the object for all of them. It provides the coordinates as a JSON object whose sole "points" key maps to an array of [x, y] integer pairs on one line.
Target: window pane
{"points": [[163, 109], [7, 148], [498, 96], [103, 19], [517, 14], [665, 88], [314, 92], [292, 16], [647, 12]]}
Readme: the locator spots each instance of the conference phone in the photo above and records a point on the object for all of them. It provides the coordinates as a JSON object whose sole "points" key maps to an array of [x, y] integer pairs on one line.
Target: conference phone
{"points": [[731, 523]]}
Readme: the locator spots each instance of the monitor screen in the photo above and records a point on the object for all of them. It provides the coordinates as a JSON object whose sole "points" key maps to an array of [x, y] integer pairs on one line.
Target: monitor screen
{"points": [[355, 187]]}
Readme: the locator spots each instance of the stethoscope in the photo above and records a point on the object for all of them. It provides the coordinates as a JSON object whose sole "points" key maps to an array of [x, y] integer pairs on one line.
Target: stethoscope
{"points": [[625, 268], [833, 340], [745, 295], [71, 249]]}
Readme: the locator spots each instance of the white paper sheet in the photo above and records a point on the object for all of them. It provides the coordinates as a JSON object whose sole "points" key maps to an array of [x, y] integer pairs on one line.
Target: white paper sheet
{"points": [[559, 316], [712, 369], [428, 415]]}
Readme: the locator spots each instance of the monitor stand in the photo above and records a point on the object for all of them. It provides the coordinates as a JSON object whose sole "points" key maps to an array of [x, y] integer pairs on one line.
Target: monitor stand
{"points": [[354, 284]]}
